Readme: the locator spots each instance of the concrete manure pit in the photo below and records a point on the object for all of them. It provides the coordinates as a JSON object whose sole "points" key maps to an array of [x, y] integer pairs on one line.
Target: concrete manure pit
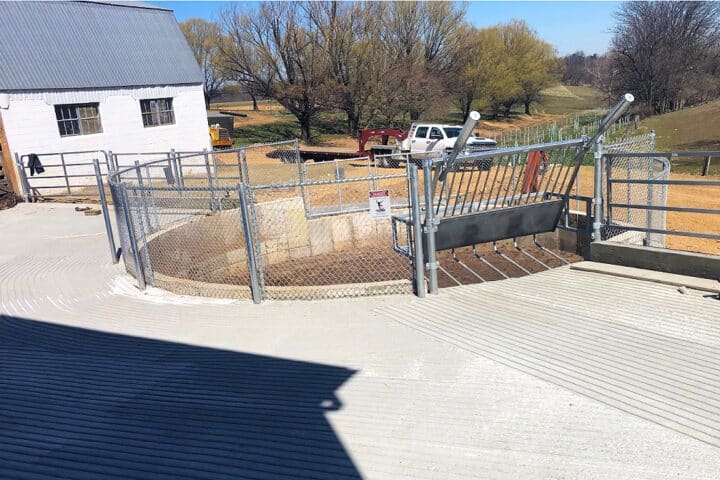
{"points": [[334, 256]]}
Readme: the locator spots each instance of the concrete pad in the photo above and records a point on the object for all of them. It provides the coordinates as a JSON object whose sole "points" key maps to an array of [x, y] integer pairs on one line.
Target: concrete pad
{"points": [[565, 374], [649, 276]]}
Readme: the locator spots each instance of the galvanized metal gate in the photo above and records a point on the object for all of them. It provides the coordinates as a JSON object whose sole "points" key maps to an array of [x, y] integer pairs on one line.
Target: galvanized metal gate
{"points": [[490, 196]]}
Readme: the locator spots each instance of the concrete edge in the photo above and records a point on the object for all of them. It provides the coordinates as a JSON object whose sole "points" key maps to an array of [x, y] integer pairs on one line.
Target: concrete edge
{"points": [[694, 283], [677, 262]]}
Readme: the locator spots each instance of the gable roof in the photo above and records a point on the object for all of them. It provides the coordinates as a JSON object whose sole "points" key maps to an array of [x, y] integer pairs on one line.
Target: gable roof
{"points": [[74, 45]]}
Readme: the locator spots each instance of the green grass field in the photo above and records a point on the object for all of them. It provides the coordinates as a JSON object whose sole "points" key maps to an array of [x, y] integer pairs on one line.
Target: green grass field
{"points": [[567, 99], [695, 128], [330, 126]]}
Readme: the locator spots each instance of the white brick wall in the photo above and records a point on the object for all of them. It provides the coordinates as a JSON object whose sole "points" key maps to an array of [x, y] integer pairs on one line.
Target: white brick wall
{"points": [[31, 126]]}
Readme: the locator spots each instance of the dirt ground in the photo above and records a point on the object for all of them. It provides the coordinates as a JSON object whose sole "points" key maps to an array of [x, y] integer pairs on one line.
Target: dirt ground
{"points": [[269, 170], [683, 196], [381, 263]]}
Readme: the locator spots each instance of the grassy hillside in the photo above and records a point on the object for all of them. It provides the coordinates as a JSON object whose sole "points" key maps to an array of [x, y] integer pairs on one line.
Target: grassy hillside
{"points": [[567, 99], [273, 123], [695, 128]]}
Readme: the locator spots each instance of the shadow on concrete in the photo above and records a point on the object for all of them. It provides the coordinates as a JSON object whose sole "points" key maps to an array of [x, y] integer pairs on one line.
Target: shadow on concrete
{"points": [[81, 404]]}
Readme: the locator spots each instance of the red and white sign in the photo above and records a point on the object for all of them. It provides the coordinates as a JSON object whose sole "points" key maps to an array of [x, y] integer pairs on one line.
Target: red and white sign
{"points": [[380, 204]]}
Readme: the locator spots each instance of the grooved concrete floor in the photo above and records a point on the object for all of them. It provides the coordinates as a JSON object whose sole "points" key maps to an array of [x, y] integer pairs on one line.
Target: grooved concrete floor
{"points": [[563, 374]]}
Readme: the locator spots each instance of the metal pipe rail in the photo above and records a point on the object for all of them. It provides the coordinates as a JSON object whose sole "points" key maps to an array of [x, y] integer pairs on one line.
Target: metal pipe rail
{"points": [[649, 207], [64, 161]]}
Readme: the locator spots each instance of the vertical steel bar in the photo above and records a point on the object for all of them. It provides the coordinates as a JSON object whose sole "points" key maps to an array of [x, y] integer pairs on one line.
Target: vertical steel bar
{"points": [[178, 166], [138, 171], [339, 186], [417, 251], [23, 178], [151, 194], [206, 158], [430, 226], [597, 192], [239, 165], [245, 170], [706, 166], [215, 167], [628, 188], [649, 213], [301, 176], [249, 246], [139, 270], [105, 212], [65, 173], [608, 190]]}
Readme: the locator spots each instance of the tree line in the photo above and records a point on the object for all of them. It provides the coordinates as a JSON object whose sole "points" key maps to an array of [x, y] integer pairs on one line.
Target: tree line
{"points": [[666, 53], [380, 63]]}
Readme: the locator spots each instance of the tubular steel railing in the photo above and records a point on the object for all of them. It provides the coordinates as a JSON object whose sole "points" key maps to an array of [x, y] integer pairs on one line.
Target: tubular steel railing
{"points": [[656, 185], [66, 174], [261, 199]]}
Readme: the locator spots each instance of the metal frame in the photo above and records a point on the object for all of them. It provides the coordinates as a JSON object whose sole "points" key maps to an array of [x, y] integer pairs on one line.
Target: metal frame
{"points": [[66, 188], [666, 157]]}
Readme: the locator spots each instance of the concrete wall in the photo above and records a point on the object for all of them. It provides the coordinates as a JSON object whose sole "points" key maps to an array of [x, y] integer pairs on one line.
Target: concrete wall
{"points": [[659, 259], [212, 248], [31, 125]]}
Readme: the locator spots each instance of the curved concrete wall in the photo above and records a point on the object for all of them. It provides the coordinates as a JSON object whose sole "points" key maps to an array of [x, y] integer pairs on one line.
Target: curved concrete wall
{"points": [[207, 255]]}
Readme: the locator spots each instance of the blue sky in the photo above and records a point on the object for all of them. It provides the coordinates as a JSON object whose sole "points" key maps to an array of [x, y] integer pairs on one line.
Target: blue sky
{"points": [[568, 25]]}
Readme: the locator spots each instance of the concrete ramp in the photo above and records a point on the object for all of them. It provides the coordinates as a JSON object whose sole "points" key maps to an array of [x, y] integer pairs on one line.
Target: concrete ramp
{"points": [[643, 348]]}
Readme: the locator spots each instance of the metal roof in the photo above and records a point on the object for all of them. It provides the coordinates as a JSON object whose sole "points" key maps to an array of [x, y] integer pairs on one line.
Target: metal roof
{"points": [[73, 45]]}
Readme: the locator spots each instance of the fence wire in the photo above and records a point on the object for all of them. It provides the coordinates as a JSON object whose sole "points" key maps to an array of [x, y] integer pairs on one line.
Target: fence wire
{"points": [[634, 168], [310, 231]]}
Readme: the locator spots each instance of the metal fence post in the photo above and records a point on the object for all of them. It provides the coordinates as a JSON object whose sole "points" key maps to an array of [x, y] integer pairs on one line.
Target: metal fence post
{"points": [[25, 185], [138, 171], [301, 177], [246, 172], [65, 173], [213, 206], [652, 141], [706, 166], [139, 270], [105, 211], [649, 213], [430, 226], [417, 252], [249, 246], [598, 196]]}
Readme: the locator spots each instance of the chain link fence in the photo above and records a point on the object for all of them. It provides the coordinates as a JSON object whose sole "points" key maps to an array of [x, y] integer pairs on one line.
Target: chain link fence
{"points": [[634, 168], [257, 223]]}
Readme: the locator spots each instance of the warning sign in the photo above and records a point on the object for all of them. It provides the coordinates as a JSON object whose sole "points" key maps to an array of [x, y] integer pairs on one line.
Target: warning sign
{"points": [[380, 204]]}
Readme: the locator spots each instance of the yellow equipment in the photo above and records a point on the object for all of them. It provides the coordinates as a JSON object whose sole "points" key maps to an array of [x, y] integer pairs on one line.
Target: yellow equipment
{"points": [[220, 137]]}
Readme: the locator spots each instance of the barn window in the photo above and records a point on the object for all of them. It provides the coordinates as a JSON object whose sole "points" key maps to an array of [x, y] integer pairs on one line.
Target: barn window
{"points": [[78, 119], [157, 111]]}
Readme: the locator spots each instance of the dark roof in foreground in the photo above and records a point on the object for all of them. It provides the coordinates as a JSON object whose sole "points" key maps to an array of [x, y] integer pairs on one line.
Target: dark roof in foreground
{"points": [[71, 45]]}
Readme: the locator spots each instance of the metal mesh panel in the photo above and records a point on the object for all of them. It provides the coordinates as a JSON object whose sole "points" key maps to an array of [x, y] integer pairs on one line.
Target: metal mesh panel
{"points": [[342, 186], [342, 255], [126, 243], [191, 241], [634, 168]]}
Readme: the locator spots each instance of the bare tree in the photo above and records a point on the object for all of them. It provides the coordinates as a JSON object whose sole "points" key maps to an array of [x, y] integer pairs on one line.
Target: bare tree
{"points": [[276, 52], [349, 38], [204, 39], [660, 50], [420, 38]]}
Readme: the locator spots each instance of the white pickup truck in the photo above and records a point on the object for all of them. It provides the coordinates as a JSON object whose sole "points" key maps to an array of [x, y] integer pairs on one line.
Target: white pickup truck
{"points": [[425, 139]]}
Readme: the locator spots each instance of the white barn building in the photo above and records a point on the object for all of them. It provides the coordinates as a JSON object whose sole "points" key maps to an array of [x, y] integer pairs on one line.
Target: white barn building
{"points": [[78, 76]]}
